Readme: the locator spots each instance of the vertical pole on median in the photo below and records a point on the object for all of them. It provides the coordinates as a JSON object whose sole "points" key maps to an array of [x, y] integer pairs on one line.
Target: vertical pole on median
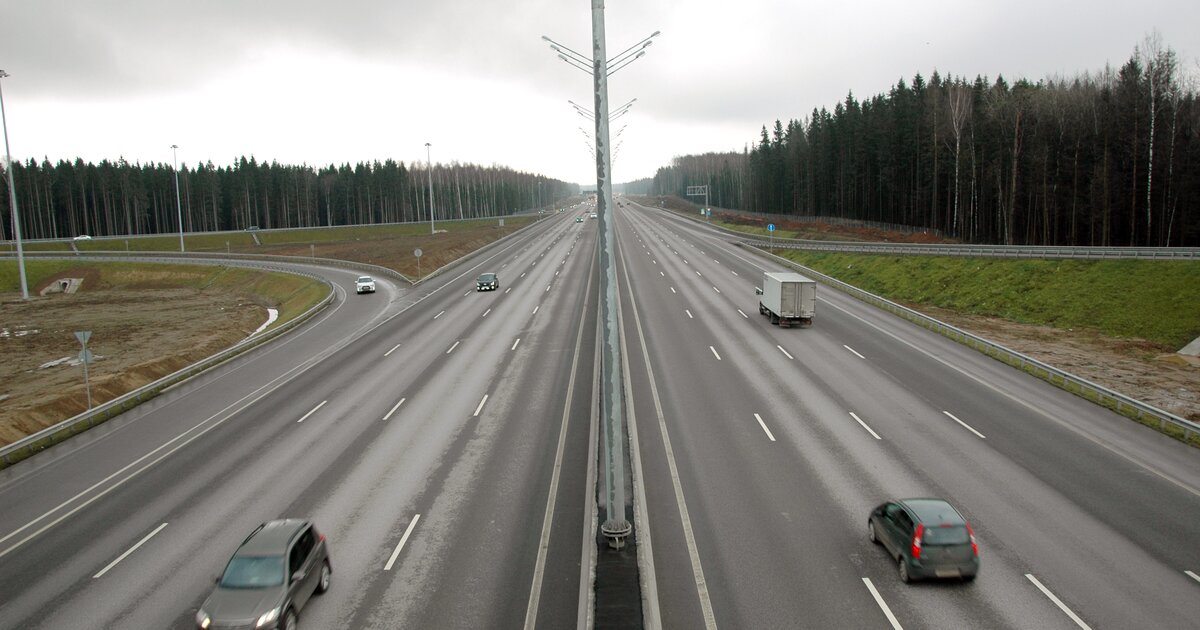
{"points": [[85, 357], [616, 527]]}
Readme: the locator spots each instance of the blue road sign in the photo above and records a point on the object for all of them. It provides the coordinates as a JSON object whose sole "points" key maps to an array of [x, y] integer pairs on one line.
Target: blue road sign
{"points": [[770, 227]]}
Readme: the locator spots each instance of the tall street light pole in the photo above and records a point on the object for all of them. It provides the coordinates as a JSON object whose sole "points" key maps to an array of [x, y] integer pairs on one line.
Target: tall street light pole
{"points": [[429, 167], [178, 205], [12, 197]]}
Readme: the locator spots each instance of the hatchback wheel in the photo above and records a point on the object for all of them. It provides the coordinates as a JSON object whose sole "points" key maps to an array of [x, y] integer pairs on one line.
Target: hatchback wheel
{"points": [[871, 532], [904, 576], [326, 575], [289, 620]]}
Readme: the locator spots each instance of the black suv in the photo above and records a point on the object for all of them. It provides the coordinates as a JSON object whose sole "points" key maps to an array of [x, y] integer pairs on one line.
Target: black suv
{"points": [[927, 537], [279, 566], [487, 282]]}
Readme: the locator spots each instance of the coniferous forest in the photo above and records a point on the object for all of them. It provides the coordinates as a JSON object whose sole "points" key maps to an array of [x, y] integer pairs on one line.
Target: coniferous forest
{"points": [[118, 198], [1108, 158]]}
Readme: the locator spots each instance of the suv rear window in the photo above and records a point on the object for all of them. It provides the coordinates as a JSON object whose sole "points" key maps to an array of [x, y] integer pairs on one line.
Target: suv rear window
{"points": [[955, 535]]}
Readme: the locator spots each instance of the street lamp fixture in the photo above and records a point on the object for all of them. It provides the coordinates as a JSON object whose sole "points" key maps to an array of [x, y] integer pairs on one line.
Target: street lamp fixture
{"points": [[12, 197], [429, 167]]}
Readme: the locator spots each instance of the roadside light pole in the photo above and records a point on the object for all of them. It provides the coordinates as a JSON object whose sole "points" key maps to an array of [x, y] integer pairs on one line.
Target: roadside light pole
{"points": [[178, 205], [12, 197], [429, 167]]}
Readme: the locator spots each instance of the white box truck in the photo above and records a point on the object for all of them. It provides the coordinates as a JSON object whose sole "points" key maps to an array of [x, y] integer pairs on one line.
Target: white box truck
{"points": [[787, 298]]}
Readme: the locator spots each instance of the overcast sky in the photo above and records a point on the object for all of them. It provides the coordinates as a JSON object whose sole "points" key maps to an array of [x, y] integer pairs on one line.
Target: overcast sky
{"points": [[334, 81]]}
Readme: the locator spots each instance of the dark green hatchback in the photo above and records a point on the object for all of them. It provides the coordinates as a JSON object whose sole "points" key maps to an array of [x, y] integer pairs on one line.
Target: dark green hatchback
{"points": [[927, 538]]}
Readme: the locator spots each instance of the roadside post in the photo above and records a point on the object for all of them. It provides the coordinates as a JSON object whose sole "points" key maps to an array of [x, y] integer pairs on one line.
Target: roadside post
{"points": [[771, 235], [417, 252], [85, 357]]}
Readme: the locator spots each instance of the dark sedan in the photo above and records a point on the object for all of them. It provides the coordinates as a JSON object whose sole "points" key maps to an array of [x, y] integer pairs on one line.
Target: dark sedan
{"points": [[928, 538]]}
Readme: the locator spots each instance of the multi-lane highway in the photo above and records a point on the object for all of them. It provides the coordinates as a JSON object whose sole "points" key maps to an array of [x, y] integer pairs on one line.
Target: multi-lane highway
{"points": [[440, 438], [764, 449]]}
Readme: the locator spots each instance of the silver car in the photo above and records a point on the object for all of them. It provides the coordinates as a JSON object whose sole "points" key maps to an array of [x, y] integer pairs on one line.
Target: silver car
{"points": [[270, 578]]}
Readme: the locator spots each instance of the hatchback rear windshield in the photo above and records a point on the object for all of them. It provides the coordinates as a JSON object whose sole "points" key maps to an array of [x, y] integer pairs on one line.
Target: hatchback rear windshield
{"points": [[487, 277], [253, 572], [956, 535]]}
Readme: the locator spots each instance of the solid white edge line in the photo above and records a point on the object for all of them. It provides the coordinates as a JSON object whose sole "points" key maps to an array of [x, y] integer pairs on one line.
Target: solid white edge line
{"points": [[854, 351], [1058, 602], [864, 425], [514, 347], [394, 408], [882, 604], [714, 351], [1193, 575], [131, 550], [400, 545], [392, 350], [965, 425], [480, 407], [314, 410], [453, 347], [764, 427], [785, 352]]}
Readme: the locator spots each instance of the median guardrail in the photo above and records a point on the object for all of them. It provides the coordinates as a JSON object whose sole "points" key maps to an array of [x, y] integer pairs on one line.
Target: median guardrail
{"points": [[984, 251], [1164, 421]]}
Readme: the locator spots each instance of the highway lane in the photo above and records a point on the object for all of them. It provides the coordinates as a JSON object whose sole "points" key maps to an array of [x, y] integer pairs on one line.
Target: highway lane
{"points": [[364, 423], [1099, 511]]}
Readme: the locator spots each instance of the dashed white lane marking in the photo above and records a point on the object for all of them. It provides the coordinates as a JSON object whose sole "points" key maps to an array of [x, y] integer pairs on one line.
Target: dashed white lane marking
{"points": [[736, 273], [743, 314], [673, 290], [556, 273], [439, 314], [689, 314], [785, 352], [453, 347], [716, 289], [864, 425], [714, 351], [662, 274], [715, 260], [403, 539], [522, 274], [882, 604], [535, 310], [314, 410], [485, 313], [507, 290], [1193, 575], [515, 344], [854, 351], [394, 408], [764, 427], [685, 260], [547, 288], [480, 407], [392, 350], [131, 550], [965, 425], [699, 274], [1058, 602]]}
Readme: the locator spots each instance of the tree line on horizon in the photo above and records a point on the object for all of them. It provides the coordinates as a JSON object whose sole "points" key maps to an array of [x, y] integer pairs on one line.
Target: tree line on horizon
{"points": [[1106, 158], [122, 198]]}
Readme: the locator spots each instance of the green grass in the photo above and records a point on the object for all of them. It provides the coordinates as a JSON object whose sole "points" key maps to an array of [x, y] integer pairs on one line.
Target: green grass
{"points": [[1152, 300]]}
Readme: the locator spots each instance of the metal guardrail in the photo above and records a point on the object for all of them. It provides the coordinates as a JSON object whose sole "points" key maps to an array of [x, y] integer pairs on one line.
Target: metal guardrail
{"points": [[1122, 404], [988, 251], [52, 435]]}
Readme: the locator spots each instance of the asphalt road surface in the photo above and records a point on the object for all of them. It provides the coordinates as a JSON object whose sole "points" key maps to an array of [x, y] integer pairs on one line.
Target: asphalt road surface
{"points": [[439, 437]]}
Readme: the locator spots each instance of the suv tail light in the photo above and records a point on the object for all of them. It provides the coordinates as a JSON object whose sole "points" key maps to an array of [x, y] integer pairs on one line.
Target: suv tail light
{"points": [[916, 541], [974, 545]]}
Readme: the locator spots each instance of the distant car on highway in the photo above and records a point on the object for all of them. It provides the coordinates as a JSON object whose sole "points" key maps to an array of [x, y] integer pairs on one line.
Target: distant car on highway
{"points": [[252, 228], [269, 579], [593, 215], [83, 237], [364, 284], [579, 219], [928, 538], [487, 282]]}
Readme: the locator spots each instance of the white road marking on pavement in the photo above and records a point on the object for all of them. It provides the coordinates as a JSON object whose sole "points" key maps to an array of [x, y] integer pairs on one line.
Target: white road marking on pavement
{"points": [[684, 261], [854, 351], [547, 288], [485, 313], [743, 314], [715, 260], [689, 314], [556, 273], [699, 274], [314, 410], [1194, 576], [453, 347], [480, 407], [967, 426], [716, 289], [515, 344], [392, 350], [714, 351], [654, 261], [864, 425], [131, 550], [439, 314], [507, 290], [735, 273], [662, 274], [785, 352], [764, 426], [673, 290], [403, 539], [522, 274], [394, 408], [882, 604], [535, 310], [1058, 602]]}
